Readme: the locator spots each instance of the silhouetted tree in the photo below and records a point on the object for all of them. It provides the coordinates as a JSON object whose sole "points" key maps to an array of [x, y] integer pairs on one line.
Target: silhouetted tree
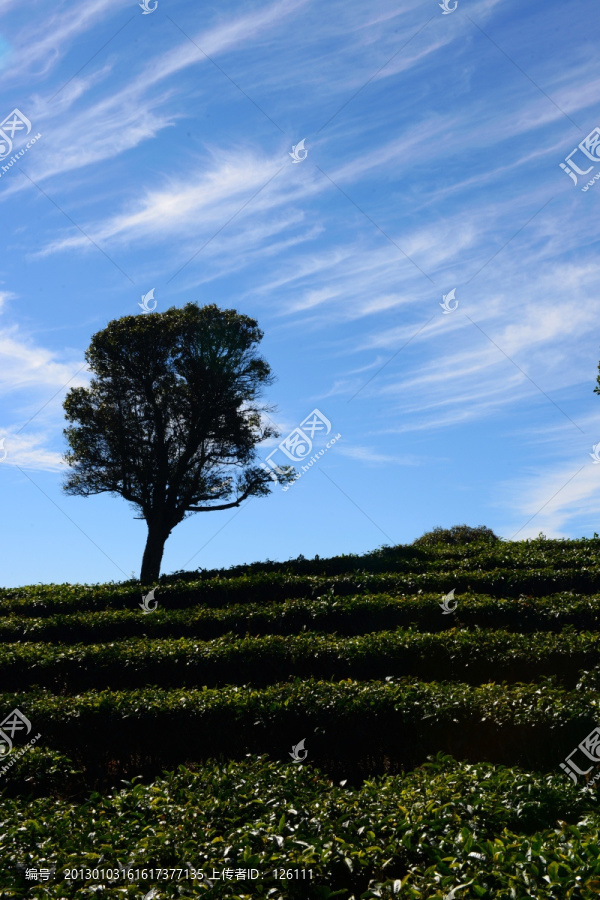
{"points": [[170, 421]]}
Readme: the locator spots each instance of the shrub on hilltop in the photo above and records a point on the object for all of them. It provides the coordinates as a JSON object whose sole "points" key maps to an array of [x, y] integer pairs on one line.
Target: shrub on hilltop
{"points": [[456, 535]]}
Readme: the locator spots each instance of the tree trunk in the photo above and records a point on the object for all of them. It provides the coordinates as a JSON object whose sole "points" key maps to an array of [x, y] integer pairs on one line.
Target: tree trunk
{"points": [[153, 553]]}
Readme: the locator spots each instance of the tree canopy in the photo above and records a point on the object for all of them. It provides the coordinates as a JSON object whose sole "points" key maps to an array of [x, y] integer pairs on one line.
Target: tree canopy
{"points": [[171, 419]]}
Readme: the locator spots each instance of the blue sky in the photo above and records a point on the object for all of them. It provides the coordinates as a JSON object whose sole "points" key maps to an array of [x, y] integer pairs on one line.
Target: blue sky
{"points": [[433, 143]]}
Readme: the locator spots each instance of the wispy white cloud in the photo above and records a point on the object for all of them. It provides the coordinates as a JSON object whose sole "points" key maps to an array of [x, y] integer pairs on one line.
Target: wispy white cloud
{"points": [[220, 38], [550, 499], [46, 38], [25, 365], [30, 451], [371, 456], [205, 199], [33, 382], [5, 296], [77, 134]]}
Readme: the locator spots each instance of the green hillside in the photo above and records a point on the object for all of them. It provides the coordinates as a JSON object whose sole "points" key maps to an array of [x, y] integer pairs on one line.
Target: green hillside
{"points": [[428, 745]]}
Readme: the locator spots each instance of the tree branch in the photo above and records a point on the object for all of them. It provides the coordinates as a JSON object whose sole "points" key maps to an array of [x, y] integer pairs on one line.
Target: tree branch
{"points": [[237, 502]]}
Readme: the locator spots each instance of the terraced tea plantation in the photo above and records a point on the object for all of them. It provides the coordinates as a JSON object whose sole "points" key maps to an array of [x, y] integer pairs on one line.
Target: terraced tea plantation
{"points": [[311, 729]]}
